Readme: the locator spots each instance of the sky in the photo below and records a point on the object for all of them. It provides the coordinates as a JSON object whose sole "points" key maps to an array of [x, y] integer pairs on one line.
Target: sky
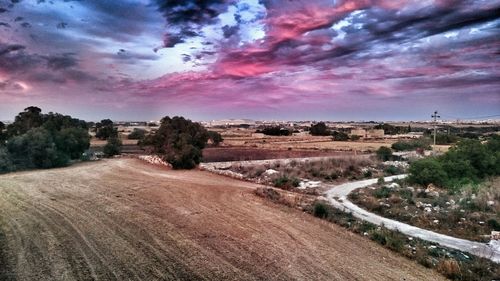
{"points": [[257, 59]]}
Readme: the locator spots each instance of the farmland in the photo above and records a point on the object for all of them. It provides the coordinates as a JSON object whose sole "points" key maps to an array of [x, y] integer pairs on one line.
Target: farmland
{"points": [[123, 219]]}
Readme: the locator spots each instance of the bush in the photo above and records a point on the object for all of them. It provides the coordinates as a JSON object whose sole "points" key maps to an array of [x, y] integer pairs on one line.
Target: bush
{"points": [[320, 210], [421, 143], [215, 137], [340, 136], [319, 129], [137, 134], [275, 131], [286, 182], [113, 147], [384, 153], [6, 164], [383, 192], [449, 268], [427, 171]]}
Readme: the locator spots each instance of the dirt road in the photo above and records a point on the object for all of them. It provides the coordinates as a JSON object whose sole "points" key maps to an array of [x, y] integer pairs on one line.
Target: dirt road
{"points": [[122, 219]]}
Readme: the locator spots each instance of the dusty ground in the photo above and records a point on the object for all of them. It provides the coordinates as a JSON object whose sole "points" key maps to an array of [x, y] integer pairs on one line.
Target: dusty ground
{"points": [[124, 220]]}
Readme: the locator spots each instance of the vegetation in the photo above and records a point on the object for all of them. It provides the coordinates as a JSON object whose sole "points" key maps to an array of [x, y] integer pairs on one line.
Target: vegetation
{"points": [[340, 136], [215, 137], [37, 140], [179, 142], [105, 130], [451, 263], [393, 130], [286, 182], [319, 129], [384, 153], [137, 134], [113, 147], [470, 161], [275, 131], [421, 143]]}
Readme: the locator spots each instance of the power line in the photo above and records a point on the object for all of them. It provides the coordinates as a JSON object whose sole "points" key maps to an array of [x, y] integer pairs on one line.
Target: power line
{"points": [[477, 117]]}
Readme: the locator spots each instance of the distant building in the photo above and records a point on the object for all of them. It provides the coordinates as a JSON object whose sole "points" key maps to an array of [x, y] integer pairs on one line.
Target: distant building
{"points": [[358, 132]]}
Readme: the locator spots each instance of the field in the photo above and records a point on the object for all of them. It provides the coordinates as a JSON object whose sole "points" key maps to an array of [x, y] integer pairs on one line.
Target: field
{"points": [[122, 219]]}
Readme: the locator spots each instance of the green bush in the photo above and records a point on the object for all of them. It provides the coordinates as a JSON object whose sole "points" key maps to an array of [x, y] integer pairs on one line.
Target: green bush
{"points": [[422, 143], [383, 192], [286, 182], [384, 153], [427, 171], [470, 161], [112, 147], [137, 134], [6, 164], [320, 210]]}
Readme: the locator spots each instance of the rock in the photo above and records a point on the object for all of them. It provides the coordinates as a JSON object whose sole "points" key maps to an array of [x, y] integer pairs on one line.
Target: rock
{"points": [[427, 209], [393, 185], [437, 208], [452, 202], [419, 204], [410, 188], [481, 222], [490, 203], [435, 221], [432, 191], [270, 172]]}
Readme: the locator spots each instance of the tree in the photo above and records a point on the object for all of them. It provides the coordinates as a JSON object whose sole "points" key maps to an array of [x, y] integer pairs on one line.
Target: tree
{"points": [[275, 131], [113, 147], [179, 142], [72, 141], [6, 164], [340, 136], [137, 134], [105, 130], [30, 118], [3, 136], [215, 137], [384, 153], [36, 149], [319, 129]]}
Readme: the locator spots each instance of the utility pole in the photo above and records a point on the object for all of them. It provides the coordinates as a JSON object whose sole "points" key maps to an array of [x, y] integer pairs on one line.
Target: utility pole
{"points": [[435, 116]]}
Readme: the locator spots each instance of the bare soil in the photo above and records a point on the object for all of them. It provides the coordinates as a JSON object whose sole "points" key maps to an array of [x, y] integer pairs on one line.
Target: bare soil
{"points": [[122, 219]]}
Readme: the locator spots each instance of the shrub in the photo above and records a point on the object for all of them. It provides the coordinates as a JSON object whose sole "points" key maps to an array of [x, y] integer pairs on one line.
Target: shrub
{"points": [[383, 192], [427, 171], [286, 182], [319, 129], [340, 136], [449, 268], [6, 164], [275, 131], [215, 137], [384, 153], [320, 210], [421, 143], [137, 134], [112, 147], [392, 170]]}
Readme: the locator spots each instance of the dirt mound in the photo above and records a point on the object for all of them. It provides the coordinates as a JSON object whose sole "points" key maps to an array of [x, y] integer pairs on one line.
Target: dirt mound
{"points": [[124, 219]]}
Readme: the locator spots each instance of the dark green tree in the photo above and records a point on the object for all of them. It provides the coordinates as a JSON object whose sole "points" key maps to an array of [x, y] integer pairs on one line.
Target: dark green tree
{"points": [[113, 147], [105, 130], [73, 141], [179, 142], [340, 136], [30, 118], [137, 134], [384, 153], [215, 137], [319, 129]]}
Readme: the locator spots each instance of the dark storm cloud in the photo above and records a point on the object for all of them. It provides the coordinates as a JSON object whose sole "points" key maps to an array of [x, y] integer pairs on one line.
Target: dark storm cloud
{"points": [[61, 62], [187, 17]]}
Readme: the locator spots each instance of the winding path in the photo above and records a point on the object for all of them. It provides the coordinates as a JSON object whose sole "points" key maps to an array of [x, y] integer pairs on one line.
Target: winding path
{"points": [[337, 196]]}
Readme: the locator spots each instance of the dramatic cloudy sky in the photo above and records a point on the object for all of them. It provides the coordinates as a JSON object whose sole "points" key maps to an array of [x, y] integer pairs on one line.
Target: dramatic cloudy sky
{"points": [[260, 59]]}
